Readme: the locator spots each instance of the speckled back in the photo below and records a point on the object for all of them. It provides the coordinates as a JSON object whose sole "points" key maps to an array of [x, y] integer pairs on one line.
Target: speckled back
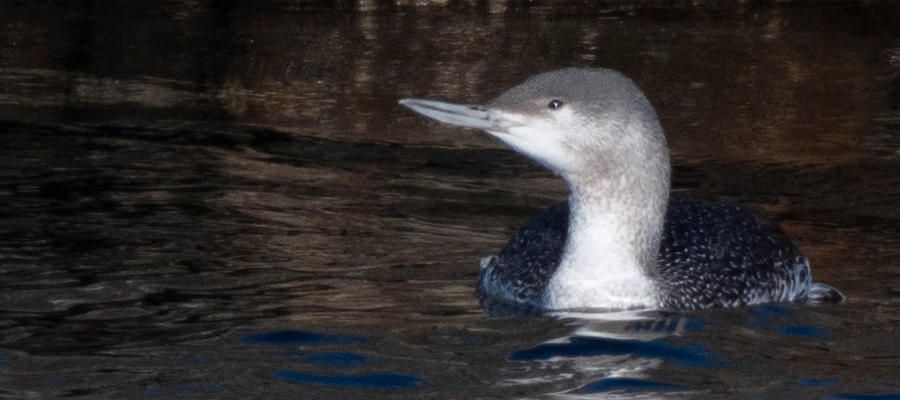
{"points": [[712, 255]]}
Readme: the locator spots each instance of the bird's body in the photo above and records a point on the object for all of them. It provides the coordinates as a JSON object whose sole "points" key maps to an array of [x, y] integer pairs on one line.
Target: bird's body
{"points": [[620, 242], [705, 260]]}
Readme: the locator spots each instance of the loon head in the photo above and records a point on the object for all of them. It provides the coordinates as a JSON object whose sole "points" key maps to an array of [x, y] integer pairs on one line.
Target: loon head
{"points": [[596, 129], [577, 122]]}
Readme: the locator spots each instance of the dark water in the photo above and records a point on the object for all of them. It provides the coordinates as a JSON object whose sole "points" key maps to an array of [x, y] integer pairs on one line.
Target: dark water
{"points": [[223, 200]]}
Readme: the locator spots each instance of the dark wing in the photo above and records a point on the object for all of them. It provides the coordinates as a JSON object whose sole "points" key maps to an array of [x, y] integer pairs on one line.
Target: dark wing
{"points": [[520, 272], [722, 255], [711, 255]]}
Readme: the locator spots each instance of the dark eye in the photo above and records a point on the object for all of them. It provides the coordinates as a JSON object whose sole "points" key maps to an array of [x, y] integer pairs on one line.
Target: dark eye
{"points": [[555, 104]]}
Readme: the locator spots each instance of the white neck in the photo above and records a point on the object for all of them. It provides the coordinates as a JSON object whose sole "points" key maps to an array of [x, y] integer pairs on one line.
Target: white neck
{"points": [[616, 217], [602, 264]]}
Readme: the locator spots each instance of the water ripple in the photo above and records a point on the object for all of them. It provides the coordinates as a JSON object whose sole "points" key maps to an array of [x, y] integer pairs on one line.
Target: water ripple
{"points": [[628, 385], [373, 381], [692, 355], [296, 337]]}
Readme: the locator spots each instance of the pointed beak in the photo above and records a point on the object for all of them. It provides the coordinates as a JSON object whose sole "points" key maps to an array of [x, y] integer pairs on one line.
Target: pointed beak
{"points": [[465, 115]]}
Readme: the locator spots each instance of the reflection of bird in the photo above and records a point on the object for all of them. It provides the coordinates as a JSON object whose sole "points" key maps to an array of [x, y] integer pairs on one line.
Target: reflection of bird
{"points": [[620, 242]]}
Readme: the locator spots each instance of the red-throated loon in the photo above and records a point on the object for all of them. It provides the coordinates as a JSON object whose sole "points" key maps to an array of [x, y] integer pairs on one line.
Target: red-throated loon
{"points": [[621, 242]]}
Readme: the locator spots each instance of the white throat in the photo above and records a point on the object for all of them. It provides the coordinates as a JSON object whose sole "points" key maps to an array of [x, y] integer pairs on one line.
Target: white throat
{"points": [[601, 265], [616, 218]]}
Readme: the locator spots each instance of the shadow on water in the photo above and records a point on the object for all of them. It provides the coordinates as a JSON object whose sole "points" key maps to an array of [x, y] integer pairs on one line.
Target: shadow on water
{"points": [[643, 353], [333, 360]]}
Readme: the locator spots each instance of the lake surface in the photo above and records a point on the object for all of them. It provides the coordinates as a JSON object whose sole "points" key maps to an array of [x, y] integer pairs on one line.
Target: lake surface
{"points": [[223, 199]]}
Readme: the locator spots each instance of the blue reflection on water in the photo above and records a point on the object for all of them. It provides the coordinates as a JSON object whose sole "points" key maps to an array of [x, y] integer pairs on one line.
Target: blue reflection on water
{"points": [[337, 359], [691, 355], [696, 324], [373, 381], [817, 382], [377, 381], [804, 331], [851, 396], [295, 337], [781, 320], [628, 385]]}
